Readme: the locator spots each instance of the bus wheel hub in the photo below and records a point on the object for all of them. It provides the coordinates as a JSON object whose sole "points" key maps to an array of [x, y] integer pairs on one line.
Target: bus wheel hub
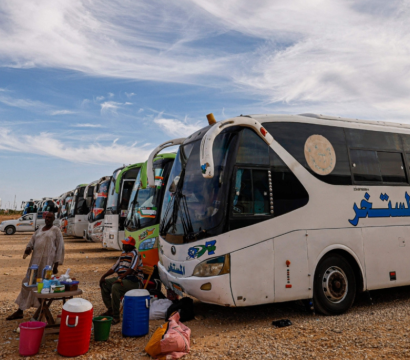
{"points": [[334, 284]]}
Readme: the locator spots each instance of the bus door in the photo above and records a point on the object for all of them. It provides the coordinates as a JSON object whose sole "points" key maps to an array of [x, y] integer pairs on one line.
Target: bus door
{"points": [[250, 204], [126, 189]]}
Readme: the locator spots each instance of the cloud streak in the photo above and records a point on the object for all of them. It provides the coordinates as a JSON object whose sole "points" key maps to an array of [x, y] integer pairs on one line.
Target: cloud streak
{"points": [[85, 125], [47, 144], [175, 128], [62, 112]]}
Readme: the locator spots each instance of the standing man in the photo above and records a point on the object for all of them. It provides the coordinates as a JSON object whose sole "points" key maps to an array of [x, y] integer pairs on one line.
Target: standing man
{"points": [[129, 277], [47, 245]]}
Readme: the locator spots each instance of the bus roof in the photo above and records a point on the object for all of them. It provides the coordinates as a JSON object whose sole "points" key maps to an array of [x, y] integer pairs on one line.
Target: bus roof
{"points": [[120, 175], [320, 119], [144, 177]]}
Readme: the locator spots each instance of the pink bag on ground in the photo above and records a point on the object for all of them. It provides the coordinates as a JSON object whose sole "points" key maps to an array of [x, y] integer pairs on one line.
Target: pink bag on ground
{"points": [[172, 343]]}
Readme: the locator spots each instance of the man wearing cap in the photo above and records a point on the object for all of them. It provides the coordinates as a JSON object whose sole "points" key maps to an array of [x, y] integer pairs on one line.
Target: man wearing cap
{"points": [[129, 277]]}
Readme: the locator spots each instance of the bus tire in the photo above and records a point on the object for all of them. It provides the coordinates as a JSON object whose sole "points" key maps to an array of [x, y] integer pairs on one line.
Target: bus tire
{"points": [[334, 287], [10, 230]]}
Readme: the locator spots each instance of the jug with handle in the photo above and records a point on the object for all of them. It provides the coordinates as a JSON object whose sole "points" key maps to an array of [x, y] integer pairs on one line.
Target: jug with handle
{"points": [[47, 272]]}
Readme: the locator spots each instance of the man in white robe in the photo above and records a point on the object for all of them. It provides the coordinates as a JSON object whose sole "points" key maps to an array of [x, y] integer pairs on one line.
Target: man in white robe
{"points": [[47, 245]]}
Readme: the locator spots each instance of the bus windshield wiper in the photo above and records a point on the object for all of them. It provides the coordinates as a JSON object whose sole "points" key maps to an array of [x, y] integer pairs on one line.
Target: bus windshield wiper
{"points": [[177, 210]]}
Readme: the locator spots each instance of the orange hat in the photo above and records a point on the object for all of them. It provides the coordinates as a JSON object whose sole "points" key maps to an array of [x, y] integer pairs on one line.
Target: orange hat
{"points": [[129, 241]]}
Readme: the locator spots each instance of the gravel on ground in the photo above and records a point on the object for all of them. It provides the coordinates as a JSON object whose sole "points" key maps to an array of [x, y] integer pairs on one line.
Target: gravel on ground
{"points": [[370, 330]]}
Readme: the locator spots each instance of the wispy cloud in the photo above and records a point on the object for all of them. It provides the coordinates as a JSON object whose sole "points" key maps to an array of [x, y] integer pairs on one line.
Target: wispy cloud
{"points": [[48, 145], [129, 95], [100, 98], [62, 112], [23, 103], [174, 127], [90, 37], [337, 53], [110, 106], [85, 125]]}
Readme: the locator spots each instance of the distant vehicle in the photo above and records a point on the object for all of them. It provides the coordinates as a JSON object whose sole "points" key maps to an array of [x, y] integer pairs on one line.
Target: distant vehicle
{"points": [[97, 212], [77, 216], [28, 222], [63, 210], [29, 206], [119, 192]]}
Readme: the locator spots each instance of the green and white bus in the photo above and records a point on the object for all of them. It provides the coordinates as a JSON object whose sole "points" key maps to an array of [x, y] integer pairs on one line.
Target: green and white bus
{"points": [[119, 193]]}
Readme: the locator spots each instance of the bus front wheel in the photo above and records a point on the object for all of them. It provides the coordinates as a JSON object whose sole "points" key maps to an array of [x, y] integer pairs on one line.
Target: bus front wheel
{"points": [[334, 285]]}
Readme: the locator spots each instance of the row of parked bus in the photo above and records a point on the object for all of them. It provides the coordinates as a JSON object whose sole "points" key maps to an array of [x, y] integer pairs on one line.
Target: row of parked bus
{"points": [[262, 208]]}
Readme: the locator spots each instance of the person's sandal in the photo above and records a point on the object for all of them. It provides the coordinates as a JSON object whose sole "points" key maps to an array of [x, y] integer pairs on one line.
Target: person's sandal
{"points": [[115, 321], [14, 316]]}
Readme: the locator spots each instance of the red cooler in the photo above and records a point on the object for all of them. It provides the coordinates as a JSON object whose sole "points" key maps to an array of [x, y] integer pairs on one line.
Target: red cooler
{"points": [[75, 327]]}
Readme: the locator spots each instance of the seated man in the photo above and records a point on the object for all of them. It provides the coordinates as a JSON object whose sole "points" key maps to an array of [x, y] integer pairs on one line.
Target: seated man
{"points": [[129, 277]]}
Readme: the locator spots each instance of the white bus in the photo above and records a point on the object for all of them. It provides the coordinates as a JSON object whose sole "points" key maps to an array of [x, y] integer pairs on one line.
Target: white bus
{"points": [[119, 192], [272, 208], [96, 215], [77, 220]]}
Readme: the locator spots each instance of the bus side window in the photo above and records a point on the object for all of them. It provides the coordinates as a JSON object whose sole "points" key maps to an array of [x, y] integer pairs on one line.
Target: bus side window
{"points": [[372, 166], [365, 166]]}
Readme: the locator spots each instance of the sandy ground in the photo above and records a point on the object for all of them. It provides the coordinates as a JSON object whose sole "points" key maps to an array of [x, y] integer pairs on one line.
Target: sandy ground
{"points": [[378, 331]]}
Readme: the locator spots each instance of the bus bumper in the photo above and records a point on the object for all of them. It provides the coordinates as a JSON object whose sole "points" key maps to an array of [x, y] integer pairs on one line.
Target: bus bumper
{"points": [[219, 294]]}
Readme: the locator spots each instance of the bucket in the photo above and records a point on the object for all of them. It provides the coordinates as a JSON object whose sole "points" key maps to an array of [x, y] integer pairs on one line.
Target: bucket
{"points": [[102, 326], [31, 334]]}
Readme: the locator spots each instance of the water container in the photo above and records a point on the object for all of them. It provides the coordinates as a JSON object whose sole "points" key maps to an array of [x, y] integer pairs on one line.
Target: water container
{"points": [[135, 320], [75, 327]]}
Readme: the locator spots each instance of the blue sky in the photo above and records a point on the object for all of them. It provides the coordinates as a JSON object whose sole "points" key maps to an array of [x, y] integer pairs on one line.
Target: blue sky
{"points": [[86, 86]]}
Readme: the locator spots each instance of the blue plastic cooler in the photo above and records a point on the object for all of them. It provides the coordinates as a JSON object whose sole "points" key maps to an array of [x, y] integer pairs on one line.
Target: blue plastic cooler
{"points": [[135, 321]]}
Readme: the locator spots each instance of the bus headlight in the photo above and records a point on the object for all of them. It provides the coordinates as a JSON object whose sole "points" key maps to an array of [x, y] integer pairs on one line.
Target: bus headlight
{"points": [[213, 267], [98, 229]]}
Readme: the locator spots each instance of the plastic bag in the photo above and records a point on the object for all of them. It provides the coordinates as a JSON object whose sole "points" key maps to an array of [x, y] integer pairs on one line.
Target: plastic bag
{"points": [[158, 309], [170, 341]]}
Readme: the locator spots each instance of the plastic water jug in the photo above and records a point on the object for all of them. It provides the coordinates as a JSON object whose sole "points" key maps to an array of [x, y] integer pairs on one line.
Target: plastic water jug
{"points": [[136, 313], [32, 276], [75, 327], [47, 272]]}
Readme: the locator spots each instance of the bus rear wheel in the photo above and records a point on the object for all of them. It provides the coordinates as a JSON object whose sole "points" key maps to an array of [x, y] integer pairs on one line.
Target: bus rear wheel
{"points": [[334, 288], [10, 230]]}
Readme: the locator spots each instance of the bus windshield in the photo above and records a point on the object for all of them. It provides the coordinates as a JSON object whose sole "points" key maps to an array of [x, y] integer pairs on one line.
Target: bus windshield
{"points": [[30, 208], [144, 205], [98, 210], [112, 201], [48, 206], [67, 206], [193, 205]]}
